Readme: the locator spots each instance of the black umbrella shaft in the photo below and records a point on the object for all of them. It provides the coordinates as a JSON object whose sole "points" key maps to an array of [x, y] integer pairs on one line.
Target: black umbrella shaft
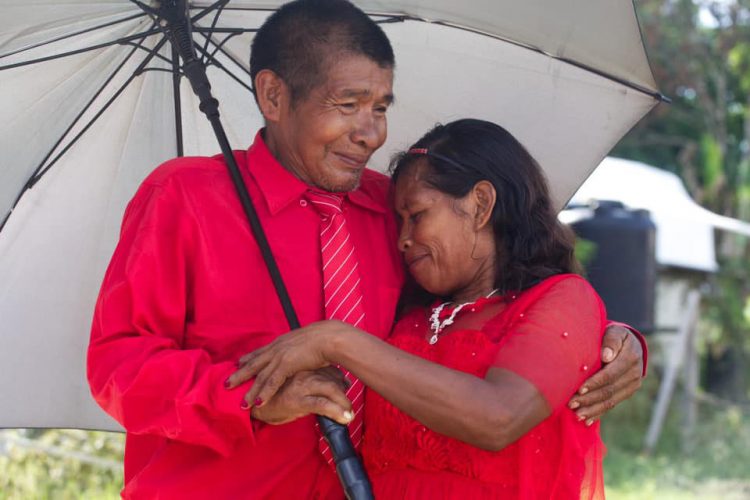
{"points": [[350, 470]]}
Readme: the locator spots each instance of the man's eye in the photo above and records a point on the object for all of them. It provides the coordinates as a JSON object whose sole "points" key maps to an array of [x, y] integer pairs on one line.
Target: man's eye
{"points": [[348, 106], [381, 110]]}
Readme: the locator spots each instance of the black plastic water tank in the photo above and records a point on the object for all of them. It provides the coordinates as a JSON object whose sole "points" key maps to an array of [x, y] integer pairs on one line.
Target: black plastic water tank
{"points": [[623, 269]]}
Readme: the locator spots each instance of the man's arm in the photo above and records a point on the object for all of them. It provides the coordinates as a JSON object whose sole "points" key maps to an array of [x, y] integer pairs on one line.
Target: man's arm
{"points": [[624, 354], [138, 368]]}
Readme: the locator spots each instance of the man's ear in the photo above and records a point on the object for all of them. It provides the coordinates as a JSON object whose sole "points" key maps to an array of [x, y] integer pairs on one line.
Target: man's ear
{"points": [[271, 92], [485, 196]]}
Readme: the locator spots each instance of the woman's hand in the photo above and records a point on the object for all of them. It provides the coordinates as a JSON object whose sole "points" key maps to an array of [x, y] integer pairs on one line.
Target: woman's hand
{"points": [[271, 365], [618, 380]]}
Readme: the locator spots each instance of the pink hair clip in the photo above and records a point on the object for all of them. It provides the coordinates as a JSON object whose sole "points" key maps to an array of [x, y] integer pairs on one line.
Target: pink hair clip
{"points": [[417, 151]]}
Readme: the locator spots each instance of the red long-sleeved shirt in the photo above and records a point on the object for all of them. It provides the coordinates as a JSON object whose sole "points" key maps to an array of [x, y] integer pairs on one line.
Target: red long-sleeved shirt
{"points": [[187, 293]]}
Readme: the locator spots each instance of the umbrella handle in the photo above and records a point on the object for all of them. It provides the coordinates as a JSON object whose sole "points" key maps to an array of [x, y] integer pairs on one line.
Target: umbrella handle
{"points": [[350, 470], [348, 466]]}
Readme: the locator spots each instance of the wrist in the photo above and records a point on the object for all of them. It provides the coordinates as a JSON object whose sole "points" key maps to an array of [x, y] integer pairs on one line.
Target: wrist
{"points": [[336, 340]]}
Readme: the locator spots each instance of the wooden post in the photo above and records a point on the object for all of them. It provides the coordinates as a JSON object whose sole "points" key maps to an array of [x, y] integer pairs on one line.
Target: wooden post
{"points": [[671, 370], [690, 391]]}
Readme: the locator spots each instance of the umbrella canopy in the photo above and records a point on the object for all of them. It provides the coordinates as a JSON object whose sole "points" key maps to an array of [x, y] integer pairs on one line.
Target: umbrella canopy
{"points": [[91, 105]]}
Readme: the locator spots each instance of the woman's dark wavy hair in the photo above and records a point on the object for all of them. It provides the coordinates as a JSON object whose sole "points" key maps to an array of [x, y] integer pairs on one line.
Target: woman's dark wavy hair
{"points": [[531, 243]]}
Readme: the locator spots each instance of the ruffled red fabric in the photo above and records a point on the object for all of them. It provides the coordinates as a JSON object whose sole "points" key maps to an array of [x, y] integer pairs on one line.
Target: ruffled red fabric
{"points": [[551, 335]]}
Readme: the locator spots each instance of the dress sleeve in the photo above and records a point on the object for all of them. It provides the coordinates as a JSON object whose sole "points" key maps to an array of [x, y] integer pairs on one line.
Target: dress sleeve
{"points": [[137, 370], [554, 340]]}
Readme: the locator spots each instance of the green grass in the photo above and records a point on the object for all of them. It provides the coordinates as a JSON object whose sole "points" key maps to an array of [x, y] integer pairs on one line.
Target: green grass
{"points": [[714, 462]]}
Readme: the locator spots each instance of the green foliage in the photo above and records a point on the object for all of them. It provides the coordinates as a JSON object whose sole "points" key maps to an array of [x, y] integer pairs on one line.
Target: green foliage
{"points": [[713, 162], [704, 137], [60, 464], [585, 251]]}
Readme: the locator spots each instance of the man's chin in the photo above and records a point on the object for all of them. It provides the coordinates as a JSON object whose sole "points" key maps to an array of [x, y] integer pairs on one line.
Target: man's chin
{"points": [[341, 183]]}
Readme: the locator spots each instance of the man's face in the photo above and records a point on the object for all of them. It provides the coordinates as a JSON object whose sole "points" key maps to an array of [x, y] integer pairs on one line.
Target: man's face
{"points": [[327, 138]]}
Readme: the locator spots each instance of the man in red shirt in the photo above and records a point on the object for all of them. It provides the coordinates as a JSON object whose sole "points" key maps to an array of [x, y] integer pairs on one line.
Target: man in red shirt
{"points": [[187, 293]]}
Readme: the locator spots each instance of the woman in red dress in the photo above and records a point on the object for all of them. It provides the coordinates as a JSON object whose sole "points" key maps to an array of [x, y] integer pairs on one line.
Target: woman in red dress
{"points": [[467, 399]]}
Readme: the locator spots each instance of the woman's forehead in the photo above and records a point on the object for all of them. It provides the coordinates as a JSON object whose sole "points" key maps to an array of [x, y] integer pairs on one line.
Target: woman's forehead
{"points": [[412, 187]]}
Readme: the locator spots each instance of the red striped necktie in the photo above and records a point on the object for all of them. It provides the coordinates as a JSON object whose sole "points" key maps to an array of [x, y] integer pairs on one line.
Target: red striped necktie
{"points": [[341, 291]]}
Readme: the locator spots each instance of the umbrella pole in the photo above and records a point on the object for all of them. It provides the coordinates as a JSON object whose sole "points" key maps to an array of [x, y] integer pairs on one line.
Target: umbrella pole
{"points": [[350, 470]]}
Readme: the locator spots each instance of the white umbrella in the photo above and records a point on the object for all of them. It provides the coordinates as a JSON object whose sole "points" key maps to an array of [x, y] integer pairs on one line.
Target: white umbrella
{"points": [[569, 79]]}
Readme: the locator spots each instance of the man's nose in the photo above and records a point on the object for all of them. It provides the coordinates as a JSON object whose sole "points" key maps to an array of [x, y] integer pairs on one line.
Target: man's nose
{"points": [[369, 131]]}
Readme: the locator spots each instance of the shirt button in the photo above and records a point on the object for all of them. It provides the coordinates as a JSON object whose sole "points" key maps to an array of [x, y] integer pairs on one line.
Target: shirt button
{"points": [[565, 335], [303, 203]]}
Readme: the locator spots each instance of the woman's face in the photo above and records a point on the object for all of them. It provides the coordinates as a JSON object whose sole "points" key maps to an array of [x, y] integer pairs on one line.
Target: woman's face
{"points": [[442, 248]]}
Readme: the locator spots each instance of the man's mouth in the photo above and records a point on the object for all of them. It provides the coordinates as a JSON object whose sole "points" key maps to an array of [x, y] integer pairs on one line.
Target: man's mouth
{"points": [[353, 160]]}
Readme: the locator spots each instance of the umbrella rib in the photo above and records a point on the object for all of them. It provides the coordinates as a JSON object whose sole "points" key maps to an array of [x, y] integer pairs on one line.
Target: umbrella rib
{"points": [[141, 47], [86, 107], [40, 172], [213, 26], [145, 8], [71, 35], [220, 48], [119, 41], [136, 73], [655, 94], [216, 63], [207, 10], [236, 31]]}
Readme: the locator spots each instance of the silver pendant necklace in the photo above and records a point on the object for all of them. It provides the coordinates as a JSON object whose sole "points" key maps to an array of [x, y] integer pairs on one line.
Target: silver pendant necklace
{"points": [[438, 326]]}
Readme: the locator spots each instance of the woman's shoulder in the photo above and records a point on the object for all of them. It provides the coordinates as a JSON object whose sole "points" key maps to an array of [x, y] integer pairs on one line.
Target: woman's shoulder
{"points": [[568, 284]]}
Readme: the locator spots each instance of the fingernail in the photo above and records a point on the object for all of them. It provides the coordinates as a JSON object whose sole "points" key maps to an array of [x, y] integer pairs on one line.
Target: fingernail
{"points": [[348, 416], [227, 383], [583, 390], [581, 417], [608, 354], [257, 402], [589, 422], [244, 405], [574, 404]]}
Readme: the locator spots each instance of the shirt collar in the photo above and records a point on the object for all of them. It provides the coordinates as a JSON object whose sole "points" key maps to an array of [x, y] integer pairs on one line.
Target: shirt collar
{"points": [[280, 187]]}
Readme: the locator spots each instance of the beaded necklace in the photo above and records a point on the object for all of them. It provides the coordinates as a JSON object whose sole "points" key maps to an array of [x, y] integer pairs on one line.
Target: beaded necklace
{"points": [[437, 326]]}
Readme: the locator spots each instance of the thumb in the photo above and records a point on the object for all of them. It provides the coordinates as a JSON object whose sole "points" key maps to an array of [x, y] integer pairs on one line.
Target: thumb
{"points": [[614, 339]]}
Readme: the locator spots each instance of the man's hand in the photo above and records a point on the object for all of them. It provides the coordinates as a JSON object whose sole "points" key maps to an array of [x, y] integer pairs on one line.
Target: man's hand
{"points": [[322, 392], [619, 378]]}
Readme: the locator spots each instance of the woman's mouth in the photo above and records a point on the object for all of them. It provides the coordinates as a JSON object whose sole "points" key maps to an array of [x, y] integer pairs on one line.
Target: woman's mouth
{"points": [[412, 261]]}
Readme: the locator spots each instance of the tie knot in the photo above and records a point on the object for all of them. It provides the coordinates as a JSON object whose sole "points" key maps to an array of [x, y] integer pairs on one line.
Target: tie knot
{"points": [[327, 204]]}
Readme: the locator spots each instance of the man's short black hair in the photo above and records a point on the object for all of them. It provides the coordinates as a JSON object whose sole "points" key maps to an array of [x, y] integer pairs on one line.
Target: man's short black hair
{"points": [[297, 41]]}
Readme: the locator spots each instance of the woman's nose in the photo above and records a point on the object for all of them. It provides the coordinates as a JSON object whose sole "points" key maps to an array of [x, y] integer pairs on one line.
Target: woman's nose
{"points": [[404, 240]]}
